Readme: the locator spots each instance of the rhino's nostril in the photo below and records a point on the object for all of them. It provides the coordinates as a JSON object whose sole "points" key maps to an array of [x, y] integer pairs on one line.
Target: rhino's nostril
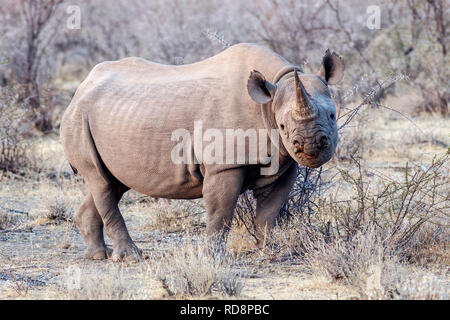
{"points": [[297, 146], [323, 142]]}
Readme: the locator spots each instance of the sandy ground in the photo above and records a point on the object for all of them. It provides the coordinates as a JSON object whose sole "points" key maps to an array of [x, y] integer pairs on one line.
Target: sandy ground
{"points": [[38, 254]]}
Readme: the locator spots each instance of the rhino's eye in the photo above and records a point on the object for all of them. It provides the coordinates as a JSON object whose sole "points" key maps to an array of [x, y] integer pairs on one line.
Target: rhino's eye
{"points": [[332, 116], [282, 126]]}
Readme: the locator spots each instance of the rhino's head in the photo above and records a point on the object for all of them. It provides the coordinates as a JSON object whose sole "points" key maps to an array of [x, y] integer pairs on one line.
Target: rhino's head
{"points": [[303, 110]]}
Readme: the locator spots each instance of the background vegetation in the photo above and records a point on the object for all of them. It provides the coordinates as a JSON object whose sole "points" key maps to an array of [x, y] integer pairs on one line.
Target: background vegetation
{"points": [[371, 224]]}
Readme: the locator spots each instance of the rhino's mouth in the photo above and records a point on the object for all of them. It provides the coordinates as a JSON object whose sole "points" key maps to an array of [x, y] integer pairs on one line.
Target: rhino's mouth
{"points": [[307, 156], [300, 153], [314, 160]]}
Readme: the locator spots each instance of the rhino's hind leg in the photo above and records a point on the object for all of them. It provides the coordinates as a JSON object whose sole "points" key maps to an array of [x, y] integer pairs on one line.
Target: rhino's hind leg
{"points": [[106, 198], [90, 224]]}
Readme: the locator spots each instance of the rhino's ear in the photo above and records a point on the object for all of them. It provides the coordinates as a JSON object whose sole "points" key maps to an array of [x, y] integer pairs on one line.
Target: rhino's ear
{"points": [[261, 90], [332, 69]]}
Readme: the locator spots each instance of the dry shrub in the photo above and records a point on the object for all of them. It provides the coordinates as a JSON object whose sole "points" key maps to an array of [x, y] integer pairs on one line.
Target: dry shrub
{"points": [[20, 284], [400, 207], [369, 239], [367, 263], [429, 246], [287, 239], [59, 210], [196, 269], [13, 156], [301, 201], [8, 220], [62, 197], [353, 140]]}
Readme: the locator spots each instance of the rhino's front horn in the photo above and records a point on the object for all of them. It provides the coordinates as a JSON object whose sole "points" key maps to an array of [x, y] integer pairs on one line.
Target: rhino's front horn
{"points": [[303, 108]]}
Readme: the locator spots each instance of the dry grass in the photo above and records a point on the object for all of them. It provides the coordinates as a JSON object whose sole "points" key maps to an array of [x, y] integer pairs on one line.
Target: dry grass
{"points": [[174, 216], [194, 268], [188, 270], [355, 261], [95, 285], [418, 285]]}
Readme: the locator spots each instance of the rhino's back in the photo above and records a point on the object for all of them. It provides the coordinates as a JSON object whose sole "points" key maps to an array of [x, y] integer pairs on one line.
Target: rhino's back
{"points": [[134, 105]]}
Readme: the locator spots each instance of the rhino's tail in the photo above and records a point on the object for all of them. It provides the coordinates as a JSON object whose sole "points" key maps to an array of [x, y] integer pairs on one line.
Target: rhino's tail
{"points": [[92, 159], [80, 148], [75, 171]]}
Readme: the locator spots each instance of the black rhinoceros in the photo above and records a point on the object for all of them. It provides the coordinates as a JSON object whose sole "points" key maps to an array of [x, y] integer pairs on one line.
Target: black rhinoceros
{"points": [[130, 126]]}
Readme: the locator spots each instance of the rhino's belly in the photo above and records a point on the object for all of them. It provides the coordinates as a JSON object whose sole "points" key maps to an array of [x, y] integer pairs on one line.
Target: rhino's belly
{"points": [[172, 190], [173, 183]]}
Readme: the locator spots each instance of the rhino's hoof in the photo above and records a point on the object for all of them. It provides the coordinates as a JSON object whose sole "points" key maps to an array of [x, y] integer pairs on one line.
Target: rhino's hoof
{"points": [[98, 254], [128, 252]]}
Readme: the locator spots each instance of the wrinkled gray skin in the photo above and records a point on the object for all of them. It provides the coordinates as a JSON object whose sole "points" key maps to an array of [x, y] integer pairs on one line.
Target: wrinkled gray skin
{"points": [[117, 134]]}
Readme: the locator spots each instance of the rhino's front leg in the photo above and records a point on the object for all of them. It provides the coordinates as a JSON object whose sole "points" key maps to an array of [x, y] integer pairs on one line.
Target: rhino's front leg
{"points": [[220, 192], [269, 203]]}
